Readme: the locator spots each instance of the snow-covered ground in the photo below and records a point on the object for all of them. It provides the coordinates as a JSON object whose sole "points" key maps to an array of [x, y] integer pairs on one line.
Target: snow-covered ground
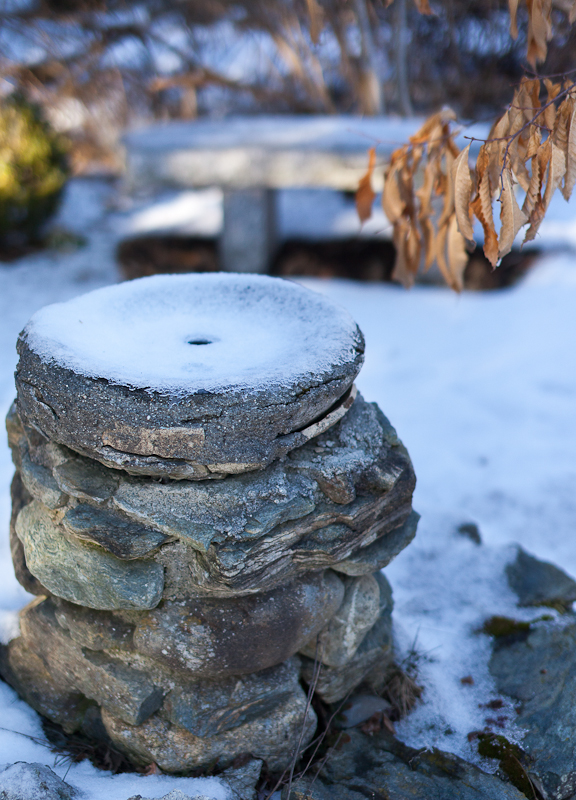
{"points": [[482, 390]]}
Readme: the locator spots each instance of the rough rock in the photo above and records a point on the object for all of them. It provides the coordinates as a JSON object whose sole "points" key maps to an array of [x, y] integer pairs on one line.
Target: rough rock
{"points": [[380, 766], [23, 781], [234, 636], [81, 573], [96, 630], [191, 431], [340, 501], [375, 652], [337, 643], [20, 498], [380, 553], [539, 583], [119, 536], [175, 794], [208, 708], [271, 737], [242, 780], [126, 689], [538, 670]]}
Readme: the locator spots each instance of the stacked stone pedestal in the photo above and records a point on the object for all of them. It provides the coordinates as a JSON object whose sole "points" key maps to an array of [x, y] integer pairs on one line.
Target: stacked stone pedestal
{"points": [[178, 616]]}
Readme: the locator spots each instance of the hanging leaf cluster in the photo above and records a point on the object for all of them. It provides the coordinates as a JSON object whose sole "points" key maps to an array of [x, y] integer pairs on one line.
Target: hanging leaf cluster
{"points": [[431, 194], [539, 24]]}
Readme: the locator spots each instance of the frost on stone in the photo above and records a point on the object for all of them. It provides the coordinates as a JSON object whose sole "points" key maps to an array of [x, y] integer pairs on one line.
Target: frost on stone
{"points": [[22, 781], [181, 334]]}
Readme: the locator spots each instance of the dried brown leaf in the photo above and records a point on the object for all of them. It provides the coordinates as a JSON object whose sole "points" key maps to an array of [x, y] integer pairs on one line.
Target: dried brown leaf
{"points": [[512, 8], [401, 271], [423, 6], [392, 202], [316, 19], [441, 255], [432, 129], [413, 249], [556, 171], [535, 187], [482, 207], [457, 255], [534, 143], [365, 194], [462, 179], [570, 176], [428, 241], [448, 209], [550, 111], [511, 216], [539, 29]]}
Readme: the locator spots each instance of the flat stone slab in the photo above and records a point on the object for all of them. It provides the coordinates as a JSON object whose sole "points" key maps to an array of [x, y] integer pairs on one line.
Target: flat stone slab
{"points": [[188, 376], [380, 766], [341, 501], [537, 669], [270, 151]]}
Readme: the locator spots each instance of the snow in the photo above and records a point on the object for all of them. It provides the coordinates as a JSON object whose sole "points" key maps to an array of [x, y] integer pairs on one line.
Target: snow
{"points": [[482, 390], [181, 334]]}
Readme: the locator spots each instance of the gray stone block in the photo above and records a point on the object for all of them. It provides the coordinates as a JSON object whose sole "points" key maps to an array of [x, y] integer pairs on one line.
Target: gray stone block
{"points": [[271, 738], [337, 643], [191, 431], [83, 574], [334, 683], [239, 635], [125, 691], [20, 498]]}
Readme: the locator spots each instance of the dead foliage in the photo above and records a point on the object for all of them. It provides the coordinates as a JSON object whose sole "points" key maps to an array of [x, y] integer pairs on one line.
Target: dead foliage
{"points": [[431, 192]]}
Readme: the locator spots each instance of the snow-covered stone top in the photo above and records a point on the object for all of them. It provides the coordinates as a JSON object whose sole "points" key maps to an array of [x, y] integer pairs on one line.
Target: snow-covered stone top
{"points": [[182, 334]]}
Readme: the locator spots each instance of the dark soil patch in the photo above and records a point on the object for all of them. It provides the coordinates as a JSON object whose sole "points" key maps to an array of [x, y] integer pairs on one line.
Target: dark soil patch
{"points": [[356, 259]]}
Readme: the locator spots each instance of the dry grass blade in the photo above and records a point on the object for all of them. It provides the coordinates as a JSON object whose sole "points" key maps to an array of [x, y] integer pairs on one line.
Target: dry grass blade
{"points": [[365, 194]]}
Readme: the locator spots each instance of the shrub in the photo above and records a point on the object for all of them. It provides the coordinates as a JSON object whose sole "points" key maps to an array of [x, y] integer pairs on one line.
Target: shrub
{"points": [[33, 171]]}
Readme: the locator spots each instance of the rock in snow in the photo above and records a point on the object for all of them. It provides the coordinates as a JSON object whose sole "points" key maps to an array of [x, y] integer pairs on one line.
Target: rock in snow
{"points": [[22, 781]]}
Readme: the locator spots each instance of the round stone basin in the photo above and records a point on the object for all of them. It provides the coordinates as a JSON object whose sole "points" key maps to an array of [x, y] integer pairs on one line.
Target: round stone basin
{"points": [[188, 376]]}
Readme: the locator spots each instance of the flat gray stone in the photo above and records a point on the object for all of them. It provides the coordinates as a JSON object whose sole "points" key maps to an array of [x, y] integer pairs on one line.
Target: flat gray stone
{"points": [[380, 553], [538, 670], [380, 766], [83, 574], [539, 583], [337, 643], [118, 535], [24, 781], [343, 500], [240, 635], [152, 400]]}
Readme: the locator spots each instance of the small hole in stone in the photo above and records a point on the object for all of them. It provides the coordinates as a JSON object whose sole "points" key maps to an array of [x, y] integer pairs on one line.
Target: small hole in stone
{"points": [[200, 341]]}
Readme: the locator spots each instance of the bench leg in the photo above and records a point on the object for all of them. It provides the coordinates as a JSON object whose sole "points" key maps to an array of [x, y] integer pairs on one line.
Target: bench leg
{"points": [[249, 232]]}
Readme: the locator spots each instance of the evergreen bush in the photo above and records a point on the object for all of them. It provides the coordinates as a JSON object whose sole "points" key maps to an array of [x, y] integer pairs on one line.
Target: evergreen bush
{"points": [[33, 171]]}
